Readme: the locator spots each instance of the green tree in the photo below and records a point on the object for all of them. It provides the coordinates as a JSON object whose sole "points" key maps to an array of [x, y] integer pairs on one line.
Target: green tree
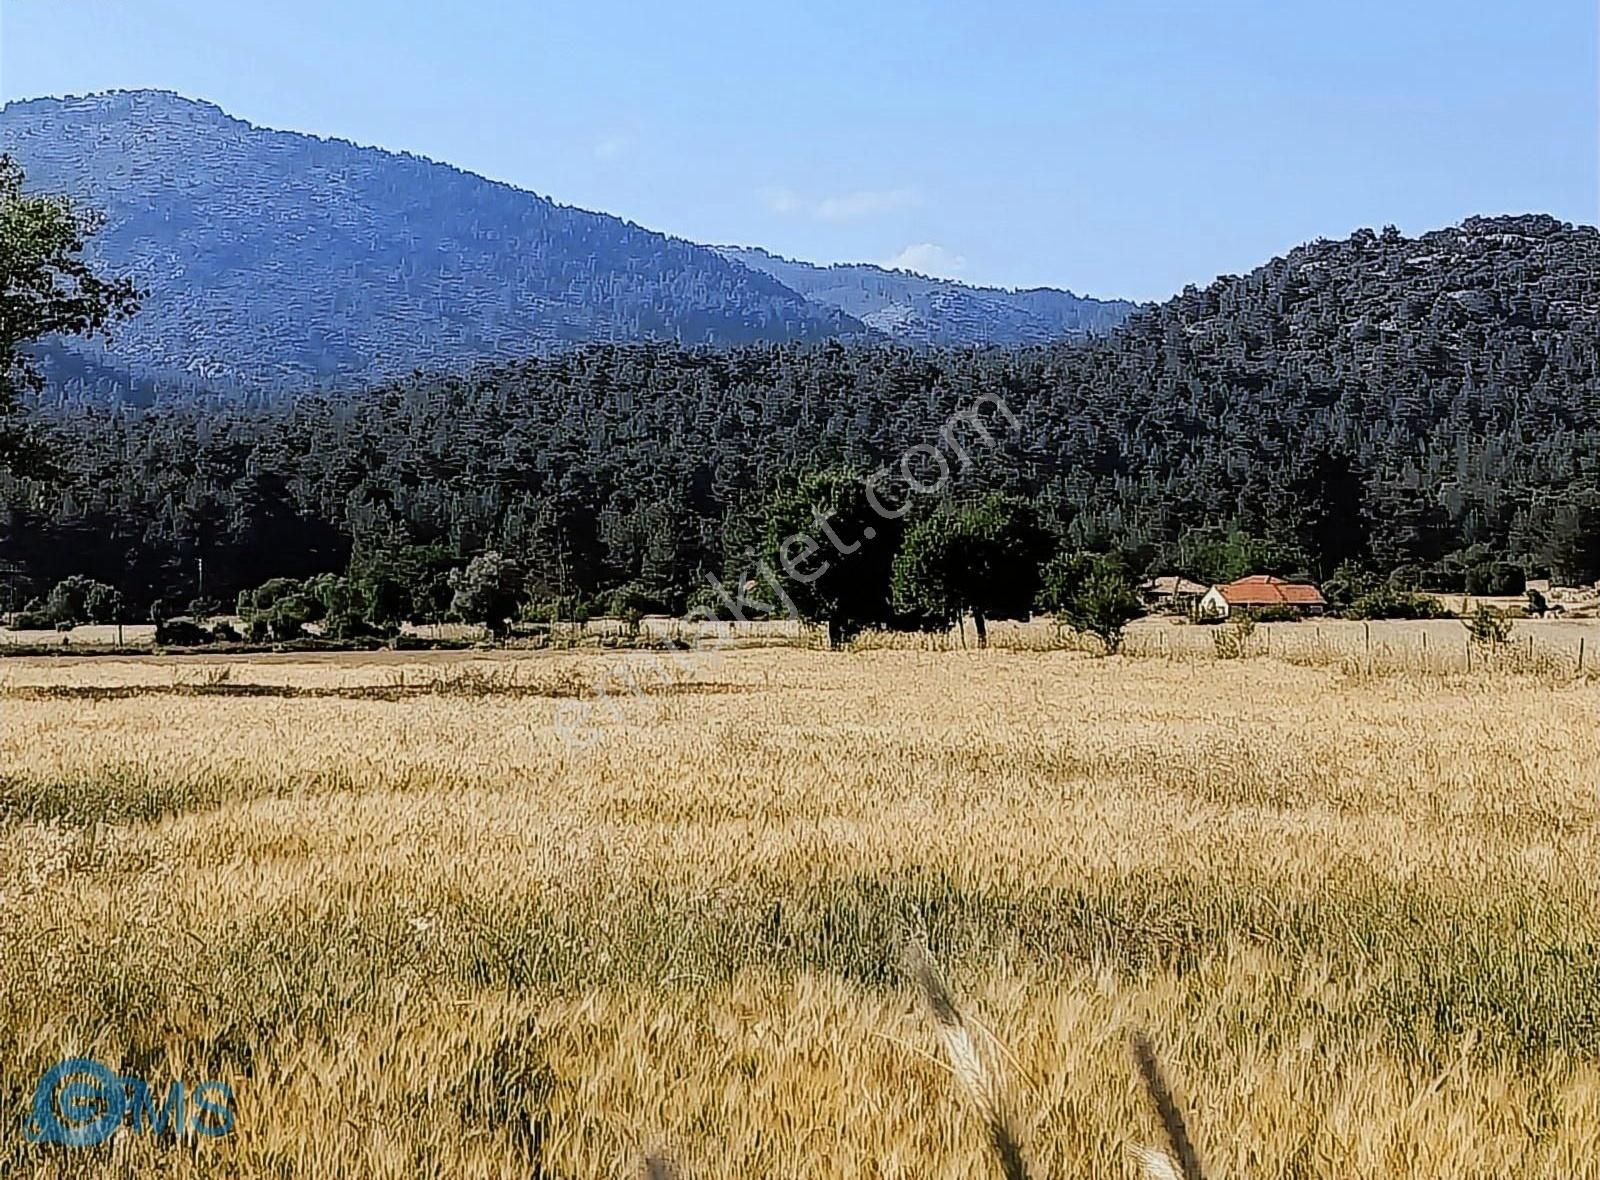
{"points": [[1327, 499], [977, 557], [1215, 556], [46, 288], [1093, 594], [402, 583], [104, 604], [78, 599], [1570, 544], [488, 592], [343, 610], [279, 609], [831, 545]]}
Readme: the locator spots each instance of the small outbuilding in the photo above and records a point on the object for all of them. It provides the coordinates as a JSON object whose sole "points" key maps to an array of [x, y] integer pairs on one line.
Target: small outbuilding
{"points": [[1173, 593], [1259, 592]]}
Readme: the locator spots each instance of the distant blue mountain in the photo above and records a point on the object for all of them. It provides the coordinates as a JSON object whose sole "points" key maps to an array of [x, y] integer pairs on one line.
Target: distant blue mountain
{"points": [[275, 259], [923, 310]]}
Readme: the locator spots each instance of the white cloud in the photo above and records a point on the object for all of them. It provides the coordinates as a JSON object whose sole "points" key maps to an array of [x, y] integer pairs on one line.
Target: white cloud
{"points": [[928, 258], [782, 200], [612, 147], [857, 206]]}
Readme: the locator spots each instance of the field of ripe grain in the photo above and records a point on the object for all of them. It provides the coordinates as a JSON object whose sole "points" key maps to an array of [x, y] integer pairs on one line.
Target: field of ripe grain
{"points": [[427, 928]]}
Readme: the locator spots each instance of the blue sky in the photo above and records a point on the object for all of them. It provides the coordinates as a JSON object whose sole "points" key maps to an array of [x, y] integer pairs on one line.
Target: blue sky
{"points": [[1117, 148]]}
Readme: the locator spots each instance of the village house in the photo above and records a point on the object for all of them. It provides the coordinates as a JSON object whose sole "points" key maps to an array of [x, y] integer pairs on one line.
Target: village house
{"points": [[1172, 593], [1260, 592]]}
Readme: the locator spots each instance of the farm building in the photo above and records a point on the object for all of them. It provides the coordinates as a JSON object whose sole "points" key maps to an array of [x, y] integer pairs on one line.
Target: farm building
{"points": [[1172, 592], [1259, 592]]}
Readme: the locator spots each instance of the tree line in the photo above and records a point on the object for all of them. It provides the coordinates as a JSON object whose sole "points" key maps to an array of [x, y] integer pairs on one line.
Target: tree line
{"points": [[1406, 412]]}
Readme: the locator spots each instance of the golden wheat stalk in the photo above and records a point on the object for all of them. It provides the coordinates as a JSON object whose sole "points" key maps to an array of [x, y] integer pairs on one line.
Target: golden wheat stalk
{"points": [[1158, 1165], [968, 1065], [1155, 1164], [659, 1167]]}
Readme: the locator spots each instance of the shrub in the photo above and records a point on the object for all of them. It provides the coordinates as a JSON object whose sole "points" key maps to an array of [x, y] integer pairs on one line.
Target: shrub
{"points": [[181, 633], [279, 609], [82, 600], [554, 609], [1273, 614], [1232, 642], [1496, 579], [487, 592], [1093, 595], [1489, 627], [204, 608], [104, 603], [1385, 602]]}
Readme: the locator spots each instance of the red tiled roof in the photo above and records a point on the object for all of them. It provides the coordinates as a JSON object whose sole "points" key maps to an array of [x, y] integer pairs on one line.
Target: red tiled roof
{"points": [[1265, 590]]}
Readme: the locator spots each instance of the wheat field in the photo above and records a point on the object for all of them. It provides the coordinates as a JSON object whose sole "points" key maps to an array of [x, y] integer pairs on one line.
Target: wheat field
{"points": [[454, 917]]}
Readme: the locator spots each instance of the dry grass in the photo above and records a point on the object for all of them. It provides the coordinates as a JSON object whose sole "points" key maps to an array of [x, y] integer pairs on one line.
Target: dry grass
{"points": [[428, 937]]}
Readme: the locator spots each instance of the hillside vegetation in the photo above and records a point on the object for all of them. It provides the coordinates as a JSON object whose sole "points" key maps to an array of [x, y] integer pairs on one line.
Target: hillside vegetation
{"points": [[1429, 406], [916, 309], [274, 259]]}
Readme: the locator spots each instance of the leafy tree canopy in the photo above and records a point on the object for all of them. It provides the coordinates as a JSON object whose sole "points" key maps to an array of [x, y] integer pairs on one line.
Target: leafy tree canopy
{"points": [[46, 287], [979, 557]]}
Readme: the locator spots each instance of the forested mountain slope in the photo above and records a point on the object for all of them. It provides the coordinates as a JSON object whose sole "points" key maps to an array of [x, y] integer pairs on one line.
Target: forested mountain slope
{"points": [[916, 309], [277, 260], [1427, 404]]}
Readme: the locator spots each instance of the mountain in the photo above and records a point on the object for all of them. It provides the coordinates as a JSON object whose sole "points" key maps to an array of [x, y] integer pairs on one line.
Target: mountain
{"points": [[1427, 406], [917, 309], [275, 259]]}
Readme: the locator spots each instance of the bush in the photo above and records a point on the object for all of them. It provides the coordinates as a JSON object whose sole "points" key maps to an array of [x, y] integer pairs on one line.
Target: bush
{"points": [[1232, 642], [104, 603], [278, 610], [79, 599], [1489, 627], [1273, 614], [555, 609], [204, 608], [1496, 579], [182, 633], [1093, 594], [487, 592], [1385, 602]]}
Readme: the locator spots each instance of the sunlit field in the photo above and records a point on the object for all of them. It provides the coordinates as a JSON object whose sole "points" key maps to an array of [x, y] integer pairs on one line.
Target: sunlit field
{"points": [[457, 917]]}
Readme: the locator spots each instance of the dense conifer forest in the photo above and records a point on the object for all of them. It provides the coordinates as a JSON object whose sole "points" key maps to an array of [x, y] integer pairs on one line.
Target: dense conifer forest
{"points": [[1425, 408]]}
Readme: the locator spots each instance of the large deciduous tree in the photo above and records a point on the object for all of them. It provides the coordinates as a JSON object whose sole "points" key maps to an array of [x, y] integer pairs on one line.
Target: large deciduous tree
{"points": [[979, 557], [830, 542], [488, 591]]}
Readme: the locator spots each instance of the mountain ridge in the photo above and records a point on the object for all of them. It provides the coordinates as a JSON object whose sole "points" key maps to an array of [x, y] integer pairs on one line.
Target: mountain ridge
{"points": [[290, 259], [276, 257], [925, 309]]}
